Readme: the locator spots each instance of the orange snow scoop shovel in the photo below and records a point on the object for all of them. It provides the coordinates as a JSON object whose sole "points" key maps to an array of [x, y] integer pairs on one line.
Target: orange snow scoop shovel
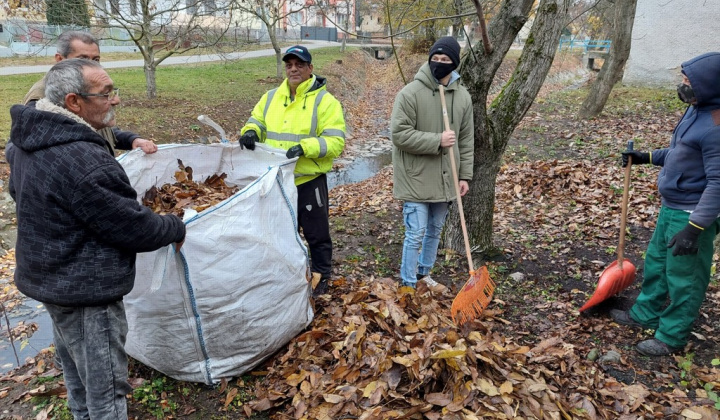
{"points": [[621, 273], [475, 296]]}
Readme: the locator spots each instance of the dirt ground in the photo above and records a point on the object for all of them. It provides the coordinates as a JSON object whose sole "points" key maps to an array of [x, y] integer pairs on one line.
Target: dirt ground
{"points": [[547, 267]]}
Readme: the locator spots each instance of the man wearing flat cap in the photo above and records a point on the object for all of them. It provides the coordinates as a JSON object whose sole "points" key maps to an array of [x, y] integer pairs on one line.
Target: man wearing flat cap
{"points": [[422, 177], [300, 116]]}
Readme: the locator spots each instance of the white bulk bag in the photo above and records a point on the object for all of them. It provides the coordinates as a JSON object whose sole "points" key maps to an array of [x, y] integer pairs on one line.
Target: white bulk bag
{"points": [[237, 291]]}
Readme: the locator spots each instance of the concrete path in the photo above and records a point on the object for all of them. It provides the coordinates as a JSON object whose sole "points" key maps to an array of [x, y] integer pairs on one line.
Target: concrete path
{"points": [[172, 60]]}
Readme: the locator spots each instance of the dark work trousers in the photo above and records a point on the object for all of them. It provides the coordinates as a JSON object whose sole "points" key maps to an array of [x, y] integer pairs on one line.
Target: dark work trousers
{"points": [[313, 218]]}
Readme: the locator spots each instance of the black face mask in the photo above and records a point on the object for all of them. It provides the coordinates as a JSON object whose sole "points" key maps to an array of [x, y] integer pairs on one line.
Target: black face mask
{"points": [[686, 93], [440, 70]]}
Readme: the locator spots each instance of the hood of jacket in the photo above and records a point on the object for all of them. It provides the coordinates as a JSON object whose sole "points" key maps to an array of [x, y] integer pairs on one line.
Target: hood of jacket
{"points": [[425, 76], [48, 125], [703, 72]]}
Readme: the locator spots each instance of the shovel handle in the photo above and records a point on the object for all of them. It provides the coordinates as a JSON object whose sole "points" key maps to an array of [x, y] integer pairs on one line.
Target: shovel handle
{"points": [[623, 214], [456, 182]]}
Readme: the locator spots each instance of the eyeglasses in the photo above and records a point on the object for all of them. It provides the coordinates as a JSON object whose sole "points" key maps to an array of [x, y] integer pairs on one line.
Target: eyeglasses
{"points": [[110, 95]]}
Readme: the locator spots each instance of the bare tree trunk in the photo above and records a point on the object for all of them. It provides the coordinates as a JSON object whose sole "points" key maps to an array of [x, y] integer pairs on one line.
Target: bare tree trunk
{"points": [[457, 23], [148, 53], [612, 69], [150, 84], [494, 125], [276, 46]]}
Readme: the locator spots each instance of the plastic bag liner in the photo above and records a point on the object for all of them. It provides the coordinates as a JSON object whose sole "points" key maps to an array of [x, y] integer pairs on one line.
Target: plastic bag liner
{"points": [[238, 290]]}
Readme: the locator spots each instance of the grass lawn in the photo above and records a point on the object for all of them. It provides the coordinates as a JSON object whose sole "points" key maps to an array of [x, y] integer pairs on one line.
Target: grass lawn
{"points": [[184, 92], [31, 60]]}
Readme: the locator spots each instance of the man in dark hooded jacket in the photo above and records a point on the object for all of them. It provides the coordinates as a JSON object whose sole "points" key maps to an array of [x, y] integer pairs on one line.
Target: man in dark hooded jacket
{"points": [[679, 256], [79, 229]]}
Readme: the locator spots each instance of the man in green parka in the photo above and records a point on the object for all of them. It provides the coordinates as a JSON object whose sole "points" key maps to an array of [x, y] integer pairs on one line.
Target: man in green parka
{"points": [[421, 162]]}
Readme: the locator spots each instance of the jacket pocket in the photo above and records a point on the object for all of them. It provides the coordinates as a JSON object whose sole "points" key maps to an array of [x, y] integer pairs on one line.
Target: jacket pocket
{"points": [[669, 185], [70, 324], [411, 165]]}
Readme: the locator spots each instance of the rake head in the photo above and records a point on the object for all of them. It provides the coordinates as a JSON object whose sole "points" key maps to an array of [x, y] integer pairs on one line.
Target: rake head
{"points": [[474, 297]]}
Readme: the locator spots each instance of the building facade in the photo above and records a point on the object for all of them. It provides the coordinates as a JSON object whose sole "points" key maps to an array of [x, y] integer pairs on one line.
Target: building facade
{"points": [[665, 34]]}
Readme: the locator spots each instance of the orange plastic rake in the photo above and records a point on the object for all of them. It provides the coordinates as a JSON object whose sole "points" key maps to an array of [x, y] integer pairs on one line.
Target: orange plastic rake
{"points": [[477, 293], [474, 297], [620, 274]]}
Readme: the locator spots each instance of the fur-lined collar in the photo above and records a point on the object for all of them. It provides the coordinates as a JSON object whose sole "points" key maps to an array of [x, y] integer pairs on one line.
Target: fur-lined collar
{"points": [[45, 105]]}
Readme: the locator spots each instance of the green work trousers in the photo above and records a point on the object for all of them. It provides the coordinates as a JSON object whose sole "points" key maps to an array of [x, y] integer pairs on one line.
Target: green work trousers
{"points": [[684, 279]]}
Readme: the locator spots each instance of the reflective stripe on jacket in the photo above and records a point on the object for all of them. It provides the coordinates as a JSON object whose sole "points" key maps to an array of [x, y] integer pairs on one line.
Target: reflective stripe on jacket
{"points": [[314, 119]]}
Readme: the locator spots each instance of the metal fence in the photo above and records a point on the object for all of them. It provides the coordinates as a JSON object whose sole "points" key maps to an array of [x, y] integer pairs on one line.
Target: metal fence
{"points": [[36, 38], [586, 45]]}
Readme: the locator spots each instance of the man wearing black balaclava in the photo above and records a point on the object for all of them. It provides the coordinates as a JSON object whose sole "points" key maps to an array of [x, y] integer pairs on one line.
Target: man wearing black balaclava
{"points": [[421, 161], [679, 257]]}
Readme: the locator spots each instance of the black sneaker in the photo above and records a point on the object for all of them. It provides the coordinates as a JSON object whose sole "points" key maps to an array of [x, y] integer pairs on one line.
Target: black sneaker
{"points": [[655, 347], [624, 318], [321, 288]]}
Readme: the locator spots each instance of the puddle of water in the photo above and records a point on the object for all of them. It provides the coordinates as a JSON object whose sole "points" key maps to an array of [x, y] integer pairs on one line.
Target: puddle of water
{"points": [[30, 311], [358, 170]]}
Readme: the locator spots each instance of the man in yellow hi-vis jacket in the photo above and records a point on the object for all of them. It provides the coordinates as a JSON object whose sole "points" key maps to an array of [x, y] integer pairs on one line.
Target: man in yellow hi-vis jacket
{"points": [[301, 117]]}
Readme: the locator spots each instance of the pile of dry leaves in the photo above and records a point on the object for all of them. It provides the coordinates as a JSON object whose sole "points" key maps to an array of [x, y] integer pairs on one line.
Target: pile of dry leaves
{"points": [[186, 193], [384, 353]]}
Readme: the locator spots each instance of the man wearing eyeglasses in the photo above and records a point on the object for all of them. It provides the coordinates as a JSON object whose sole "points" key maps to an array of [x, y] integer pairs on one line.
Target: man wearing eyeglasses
{"points": [[80, 227], [78, 44], [301, 117]]}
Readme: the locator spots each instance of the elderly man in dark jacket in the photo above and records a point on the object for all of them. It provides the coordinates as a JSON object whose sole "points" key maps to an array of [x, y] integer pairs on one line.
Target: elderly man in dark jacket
{"points": [[679, 256], [79, 229]]}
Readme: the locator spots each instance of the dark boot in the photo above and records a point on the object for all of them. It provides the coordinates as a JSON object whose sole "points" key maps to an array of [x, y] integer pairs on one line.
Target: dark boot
{"points": [[624, 318], [321, 288], [655, 347]]}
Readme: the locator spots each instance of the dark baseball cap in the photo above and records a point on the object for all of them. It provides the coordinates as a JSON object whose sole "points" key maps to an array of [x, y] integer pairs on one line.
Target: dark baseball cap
{"points": [[298, 51]]}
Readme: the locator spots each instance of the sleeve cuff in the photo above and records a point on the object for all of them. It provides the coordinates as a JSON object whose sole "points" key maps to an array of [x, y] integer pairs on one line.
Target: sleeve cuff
{"points": [[696, 226]]}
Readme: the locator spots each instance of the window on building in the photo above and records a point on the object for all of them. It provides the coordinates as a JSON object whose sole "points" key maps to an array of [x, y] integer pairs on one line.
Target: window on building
{"points": [[115, 7], [210, 6], [191, 6], [296, 19]]}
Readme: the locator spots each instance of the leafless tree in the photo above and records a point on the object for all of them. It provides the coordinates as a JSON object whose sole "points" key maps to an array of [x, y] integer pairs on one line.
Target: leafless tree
{"points": [[161, 29], [613, 67], [495, 123], [271, 13]]}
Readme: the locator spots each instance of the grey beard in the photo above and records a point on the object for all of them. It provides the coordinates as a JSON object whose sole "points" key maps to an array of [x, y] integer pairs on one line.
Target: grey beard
{"points": [[109, 116]]}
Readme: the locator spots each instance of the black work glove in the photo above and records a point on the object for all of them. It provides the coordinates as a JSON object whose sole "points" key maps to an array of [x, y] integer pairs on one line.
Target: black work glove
{"points": [[685, 242], [294, 152], [248, 140], [638, 158]]}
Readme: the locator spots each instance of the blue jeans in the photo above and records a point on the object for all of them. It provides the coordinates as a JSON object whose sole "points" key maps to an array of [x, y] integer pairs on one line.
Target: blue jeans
{"points": [[90, 341], [423, 226]]}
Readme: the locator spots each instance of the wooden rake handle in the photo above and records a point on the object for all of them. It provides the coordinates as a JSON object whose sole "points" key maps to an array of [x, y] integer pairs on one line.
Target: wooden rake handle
{"points": [[453, 167], [623, 214]]}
